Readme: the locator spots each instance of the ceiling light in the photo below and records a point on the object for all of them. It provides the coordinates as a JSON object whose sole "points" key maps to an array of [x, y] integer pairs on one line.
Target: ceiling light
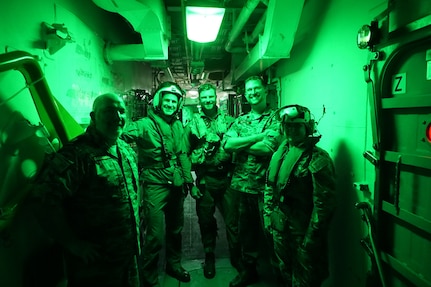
{"points": [[203, 23], [193, 94]]}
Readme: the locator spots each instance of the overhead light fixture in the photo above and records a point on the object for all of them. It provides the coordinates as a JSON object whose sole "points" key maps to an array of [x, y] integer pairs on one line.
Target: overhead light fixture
{"points": [[203, 23], [193, 94], [368, 36]]}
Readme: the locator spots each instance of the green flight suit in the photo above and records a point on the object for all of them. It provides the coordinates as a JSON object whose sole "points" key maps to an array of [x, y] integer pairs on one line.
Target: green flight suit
{"points": [[165, 167]]}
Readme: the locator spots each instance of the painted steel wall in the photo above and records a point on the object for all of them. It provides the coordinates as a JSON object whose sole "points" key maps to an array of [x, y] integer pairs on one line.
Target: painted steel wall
{"points": [[76, 74], [325, 70]]}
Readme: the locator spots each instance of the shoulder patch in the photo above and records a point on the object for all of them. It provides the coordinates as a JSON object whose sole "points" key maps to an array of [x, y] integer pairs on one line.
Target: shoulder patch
{"points": [[319, 160]]}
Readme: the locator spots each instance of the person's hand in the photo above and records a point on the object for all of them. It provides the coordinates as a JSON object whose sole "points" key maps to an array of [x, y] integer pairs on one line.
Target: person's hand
{"points": [[267, 223], [85, 250], [271, 133], [195, 192]]}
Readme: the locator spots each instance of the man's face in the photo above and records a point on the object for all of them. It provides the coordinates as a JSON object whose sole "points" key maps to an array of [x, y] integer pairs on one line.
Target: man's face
{"points": [[207, 99], [110, 117], [255, 92], [296, 133], [169, 104]]}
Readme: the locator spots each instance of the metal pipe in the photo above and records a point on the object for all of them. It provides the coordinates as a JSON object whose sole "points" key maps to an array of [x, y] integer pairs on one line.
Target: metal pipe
{"points": [[183, 11], [276, 41], [257, 30], [243, 17], [168, 70]]}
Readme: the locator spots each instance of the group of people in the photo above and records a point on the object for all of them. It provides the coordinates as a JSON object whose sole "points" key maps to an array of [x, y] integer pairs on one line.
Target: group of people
{"points": [[108, 206]]}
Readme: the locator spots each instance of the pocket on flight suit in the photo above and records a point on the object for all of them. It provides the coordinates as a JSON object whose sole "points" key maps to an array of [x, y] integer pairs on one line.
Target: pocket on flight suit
{"points": [[278, 220]]}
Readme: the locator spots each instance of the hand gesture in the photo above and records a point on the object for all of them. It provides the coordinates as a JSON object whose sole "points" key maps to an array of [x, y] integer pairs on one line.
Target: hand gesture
{"points": [[195, 192]]}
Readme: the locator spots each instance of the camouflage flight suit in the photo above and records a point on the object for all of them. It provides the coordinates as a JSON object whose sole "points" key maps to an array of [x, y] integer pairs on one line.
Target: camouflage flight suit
{"points": [[298, 215], [249, 181], [165, 167], [213, 170], [98, 193]]}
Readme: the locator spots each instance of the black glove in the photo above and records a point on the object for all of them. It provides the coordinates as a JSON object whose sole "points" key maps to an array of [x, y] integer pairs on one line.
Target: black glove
{"points": [[188, 187]]}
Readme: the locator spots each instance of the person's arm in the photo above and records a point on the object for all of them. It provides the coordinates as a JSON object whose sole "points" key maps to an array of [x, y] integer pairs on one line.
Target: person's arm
{"points": [[235, 144], [262, 144], [267, 145], [187, 138], [268, 206], [324, 198], [183, 158], [186, 168], [232, 142], [57, 181], [132, 131]]}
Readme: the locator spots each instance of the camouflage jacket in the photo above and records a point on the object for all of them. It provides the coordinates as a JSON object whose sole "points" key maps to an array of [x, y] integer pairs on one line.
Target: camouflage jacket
{"points": [[96, 190], [203, 137], [250, 170], [308, 199]]}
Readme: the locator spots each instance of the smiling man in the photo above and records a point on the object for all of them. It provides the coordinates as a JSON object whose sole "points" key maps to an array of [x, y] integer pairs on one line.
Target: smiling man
{"points": [[86, 198], [253, 138], [213, 170], [165, 174]]}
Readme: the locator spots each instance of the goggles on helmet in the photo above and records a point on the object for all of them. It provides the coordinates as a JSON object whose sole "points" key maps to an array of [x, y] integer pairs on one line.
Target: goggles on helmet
{"points": [[294, 114]]}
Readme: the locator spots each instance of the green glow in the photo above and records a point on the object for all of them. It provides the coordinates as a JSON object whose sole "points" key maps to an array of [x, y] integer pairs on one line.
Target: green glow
{"points": [[203, 23]]}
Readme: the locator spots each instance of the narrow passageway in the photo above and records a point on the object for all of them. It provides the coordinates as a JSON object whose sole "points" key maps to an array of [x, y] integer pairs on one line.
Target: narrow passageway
{"points": [[193, 256]]}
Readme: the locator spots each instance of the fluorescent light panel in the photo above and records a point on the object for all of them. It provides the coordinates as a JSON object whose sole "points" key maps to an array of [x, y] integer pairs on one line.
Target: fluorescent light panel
{"points": [[203, 23]]}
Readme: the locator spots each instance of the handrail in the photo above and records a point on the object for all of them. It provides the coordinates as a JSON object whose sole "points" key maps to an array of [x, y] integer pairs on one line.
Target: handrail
{"points": [[57, 121], [49, 109]]}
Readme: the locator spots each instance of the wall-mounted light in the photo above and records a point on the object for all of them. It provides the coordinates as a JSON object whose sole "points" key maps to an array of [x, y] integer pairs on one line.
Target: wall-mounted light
{"points": [[368, 35], [203, 23]]}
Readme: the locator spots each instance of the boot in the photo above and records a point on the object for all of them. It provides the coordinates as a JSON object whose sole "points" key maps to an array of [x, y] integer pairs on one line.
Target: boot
{"points": [[209, 265], [245, 278]]}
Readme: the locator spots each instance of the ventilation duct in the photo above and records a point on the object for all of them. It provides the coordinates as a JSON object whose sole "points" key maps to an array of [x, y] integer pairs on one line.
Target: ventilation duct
{"points": [[147, 17], [239, 24], [282, 19]]}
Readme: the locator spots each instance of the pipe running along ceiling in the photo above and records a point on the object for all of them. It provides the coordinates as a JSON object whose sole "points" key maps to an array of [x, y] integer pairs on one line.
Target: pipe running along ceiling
{"points": [[254, 35]]}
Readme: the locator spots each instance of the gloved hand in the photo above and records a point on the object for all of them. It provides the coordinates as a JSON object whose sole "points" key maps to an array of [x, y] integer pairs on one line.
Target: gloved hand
{"points": [[195, 192]]}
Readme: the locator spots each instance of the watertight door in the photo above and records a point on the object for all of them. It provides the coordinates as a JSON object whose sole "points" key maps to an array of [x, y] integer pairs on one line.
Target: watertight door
{"points": [[402, 105]]}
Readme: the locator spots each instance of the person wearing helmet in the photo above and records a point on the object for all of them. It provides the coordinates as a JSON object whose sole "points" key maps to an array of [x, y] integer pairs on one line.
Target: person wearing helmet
{"points": [[299, 200], [212, 166], [165, 176], [253, 138]]}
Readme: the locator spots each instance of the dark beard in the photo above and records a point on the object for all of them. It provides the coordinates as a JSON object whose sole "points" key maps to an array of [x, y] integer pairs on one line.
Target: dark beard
{"points": [[211, 112]]}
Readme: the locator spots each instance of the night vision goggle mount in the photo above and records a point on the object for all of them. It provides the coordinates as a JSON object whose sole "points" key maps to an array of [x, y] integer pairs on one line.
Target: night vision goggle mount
{"points": [[296, 114]]}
